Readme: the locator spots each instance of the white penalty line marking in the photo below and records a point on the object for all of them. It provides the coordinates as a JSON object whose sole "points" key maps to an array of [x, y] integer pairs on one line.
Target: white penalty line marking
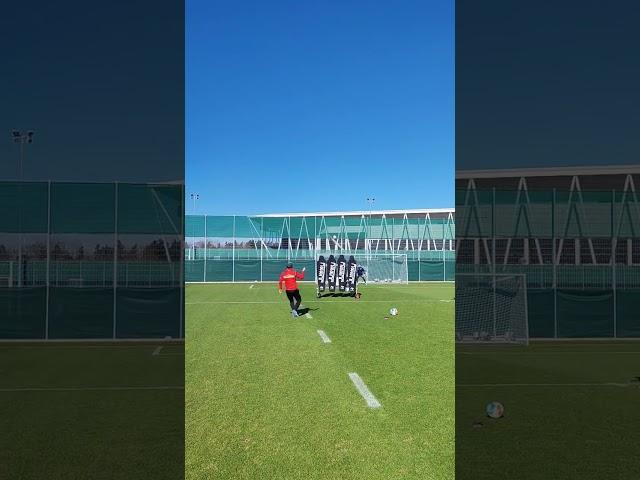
{"points": [[372, 401], [324, 336], [87, 389], [489, 385]]}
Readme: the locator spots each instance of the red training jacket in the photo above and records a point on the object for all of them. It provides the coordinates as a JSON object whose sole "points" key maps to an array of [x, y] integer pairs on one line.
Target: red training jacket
{"points": [[289, 277]]}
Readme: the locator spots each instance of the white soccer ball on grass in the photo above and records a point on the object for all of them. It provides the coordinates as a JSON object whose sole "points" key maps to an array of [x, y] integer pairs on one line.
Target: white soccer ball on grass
{"points": [[494, 410], [393, 311]]}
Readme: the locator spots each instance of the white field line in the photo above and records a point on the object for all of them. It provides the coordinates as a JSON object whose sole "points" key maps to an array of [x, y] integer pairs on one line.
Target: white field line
{"points": [[308, 315], [372, 401], [251, 286], [310, 301], [88, 342], [490, 385], [157, 351], [87, 389], [45, 347], [535, 354], [324, 336]]}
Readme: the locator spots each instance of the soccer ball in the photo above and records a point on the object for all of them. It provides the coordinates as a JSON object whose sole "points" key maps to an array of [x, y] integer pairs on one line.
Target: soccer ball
{"points": [[393, 311], [494, 410]]}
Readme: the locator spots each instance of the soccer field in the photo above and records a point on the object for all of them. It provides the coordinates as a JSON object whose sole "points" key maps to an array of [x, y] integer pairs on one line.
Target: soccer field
{"points": [[91, 410], [555, 395], [267, 398]]}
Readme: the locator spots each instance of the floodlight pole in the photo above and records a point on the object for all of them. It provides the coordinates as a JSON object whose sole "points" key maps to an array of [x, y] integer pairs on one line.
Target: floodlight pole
{"points": [[194, 197], [370, 201], [21, 137]]}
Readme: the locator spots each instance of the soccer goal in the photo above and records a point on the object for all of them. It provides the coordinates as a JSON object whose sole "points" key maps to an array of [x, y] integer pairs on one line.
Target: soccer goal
{"points": [[491, 308], [385, 267]]}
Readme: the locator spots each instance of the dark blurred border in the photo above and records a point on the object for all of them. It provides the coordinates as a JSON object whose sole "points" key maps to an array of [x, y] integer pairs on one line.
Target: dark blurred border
{"points": [[547, 164], [91, 235]]}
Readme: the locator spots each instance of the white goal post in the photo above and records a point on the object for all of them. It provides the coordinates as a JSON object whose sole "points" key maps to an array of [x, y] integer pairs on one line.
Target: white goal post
{"points": [[379, 267], [491, 308]]}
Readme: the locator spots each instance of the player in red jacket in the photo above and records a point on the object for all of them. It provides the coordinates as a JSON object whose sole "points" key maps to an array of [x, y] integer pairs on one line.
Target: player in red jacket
{"points": [[290, 279]]}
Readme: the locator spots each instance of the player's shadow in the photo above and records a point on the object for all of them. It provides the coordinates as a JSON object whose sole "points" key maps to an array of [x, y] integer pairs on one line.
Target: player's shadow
{"points": [[336, 295], [305, 310]]}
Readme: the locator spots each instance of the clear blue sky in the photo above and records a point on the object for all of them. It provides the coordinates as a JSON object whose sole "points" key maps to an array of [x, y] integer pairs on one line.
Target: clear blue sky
{"points": [[313, 106]]}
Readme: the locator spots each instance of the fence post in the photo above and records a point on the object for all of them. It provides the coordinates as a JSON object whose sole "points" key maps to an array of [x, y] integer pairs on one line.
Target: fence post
{"points": [[204, 273], [48, 267], [115, 257], [419, 249], [183, 221], [493, 257], [614, 244], [554, 281]]}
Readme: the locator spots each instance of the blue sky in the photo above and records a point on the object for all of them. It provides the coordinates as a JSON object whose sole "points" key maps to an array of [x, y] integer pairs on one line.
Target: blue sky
{"points": [[313, 106]]}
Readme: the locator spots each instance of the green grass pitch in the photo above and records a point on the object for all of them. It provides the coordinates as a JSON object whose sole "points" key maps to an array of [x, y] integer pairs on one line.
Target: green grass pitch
{"points": [[571, 411], [266, 398], [105, 411]]}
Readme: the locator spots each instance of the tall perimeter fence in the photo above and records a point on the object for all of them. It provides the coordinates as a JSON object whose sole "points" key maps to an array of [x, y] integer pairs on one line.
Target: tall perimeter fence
{"points": [[256, 248], [579, 250], [91, 261]]}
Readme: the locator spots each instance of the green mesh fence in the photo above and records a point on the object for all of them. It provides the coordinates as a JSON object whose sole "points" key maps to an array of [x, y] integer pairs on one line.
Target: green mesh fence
{"points": [[90, 261], [585, 313], [149, 312], [579, 250], [627, 308], [80, 312], [23, 207], [23, 313], [242, 249]]}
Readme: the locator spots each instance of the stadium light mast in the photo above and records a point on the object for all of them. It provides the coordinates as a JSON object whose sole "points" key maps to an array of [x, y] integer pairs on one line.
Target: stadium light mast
{"points": [[23, 138], [195, 197]]}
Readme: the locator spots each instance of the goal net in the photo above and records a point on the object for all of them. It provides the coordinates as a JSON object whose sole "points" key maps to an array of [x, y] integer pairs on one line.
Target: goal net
{"points": [[385, 268], [491, 308]]}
